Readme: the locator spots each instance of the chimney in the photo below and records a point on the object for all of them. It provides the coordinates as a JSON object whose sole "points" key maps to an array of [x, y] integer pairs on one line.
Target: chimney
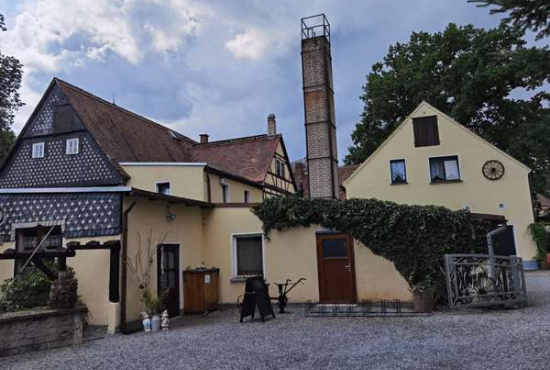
{"points": [[321, 155], [204, 138], [271, 125]]}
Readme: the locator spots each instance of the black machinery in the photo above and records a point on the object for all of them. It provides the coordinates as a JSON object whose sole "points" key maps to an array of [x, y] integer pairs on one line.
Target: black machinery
{"points": [[284, 289]]}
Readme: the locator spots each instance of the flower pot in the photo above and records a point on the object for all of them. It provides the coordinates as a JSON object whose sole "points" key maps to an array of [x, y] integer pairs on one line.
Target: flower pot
{"points": [[423, 302], [155, 323]]}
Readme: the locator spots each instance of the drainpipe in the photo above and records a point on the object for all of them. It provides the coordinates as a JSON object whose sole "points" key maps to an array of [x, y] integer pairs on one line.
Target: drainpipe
{"points": [[491, 248], [124, 277]]}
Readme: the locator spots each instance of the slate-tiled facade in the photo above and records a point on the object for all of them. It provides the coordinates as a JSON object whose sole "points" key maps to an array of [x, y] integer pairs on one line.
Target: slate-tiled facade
{"points": [[81, 214]]}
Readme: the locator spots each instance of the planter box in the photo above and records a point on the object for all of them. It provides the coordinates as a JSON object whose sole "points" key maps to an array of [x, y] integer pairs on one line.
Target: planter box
{"points": [[41, 329]]}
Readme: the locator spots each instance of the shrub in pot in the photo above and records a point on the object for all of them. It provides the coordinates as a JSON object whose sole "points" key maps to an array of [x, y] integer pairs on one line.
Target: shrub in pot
{"points": [[154, 305], [423, 295]]}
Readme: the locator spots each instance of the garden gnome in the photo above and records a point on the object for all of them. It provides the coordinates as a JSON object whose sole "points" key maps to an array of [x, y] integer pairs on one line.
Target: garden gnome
{"points": [[165, 320], [146, 321]]}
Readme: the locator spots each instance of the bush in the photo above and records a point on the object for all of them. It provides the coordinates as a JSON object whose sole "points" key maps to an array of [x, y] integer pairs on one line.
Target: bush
{"points": [[541, 236], [30, 290], [414, 238]]}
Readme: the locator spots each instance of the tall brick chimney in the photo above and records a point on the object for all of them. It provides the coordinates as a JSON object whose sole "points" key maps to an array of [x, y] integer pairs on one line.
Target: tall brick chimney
{"points": [[322, 154]]}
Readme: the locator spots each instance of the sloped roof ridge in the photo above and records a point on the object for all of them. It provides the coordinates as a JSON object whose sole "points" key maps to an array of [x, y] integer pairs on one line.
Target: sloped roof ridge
{"points": [[235, 140], [123, 110]]}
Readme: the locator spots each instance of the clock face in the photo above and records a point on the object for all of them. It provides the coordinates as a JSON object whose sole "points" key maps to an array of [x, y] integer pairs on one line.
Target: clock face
{"points": [[493, 169]]}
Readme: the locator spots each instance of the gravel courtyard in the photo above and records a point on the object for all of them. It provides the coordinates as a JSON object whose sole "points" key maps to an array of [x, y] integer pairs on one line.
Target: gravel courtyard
{"points": [[512, 339]]}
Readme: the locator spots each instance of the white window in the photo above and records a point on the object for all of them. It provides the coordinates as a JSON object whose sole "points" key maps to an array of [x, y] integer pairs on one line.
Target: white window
{"points": [[444, 169], [280, 168], [38, 150], [225, 193], [163, 188], [246, 196], [248, 255], [72, 146]]}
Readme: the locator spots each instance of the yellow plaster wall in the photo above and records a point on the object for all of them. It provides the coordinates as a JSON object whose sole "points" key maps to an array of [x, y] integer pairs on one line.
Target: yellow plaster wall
{"points": [[185, 181], [185, 230], [291, 254], [236, 191], [372, 180]]}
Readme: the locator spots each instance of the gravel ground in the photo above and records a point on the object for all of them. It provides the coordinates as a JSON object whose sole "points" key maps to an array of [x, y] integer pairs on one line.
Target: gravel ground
{"points": [[486, 339]]}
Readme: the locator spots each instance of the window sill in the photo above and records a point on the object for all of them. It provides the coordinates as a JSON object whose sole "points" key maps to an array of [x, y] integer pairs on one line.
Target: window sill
{"points": [[399, 183], [444, 182], [238, 279]]}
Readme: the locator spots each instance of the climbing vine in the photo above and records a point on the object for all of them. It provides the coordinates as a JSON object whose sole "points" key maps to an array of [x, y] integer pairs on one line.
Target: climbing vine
{"points": [[414, 238]]}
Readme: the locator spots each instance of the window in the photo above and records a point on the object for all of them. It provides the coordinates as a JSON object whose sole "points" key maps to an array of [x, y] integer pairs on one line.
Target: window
{"points": [[398, 171], [38, 150], [246, 196], [426, 132], [163, 188], [444, 169], [63, 119], [248, 255], [225, 193], [72, 146], [280, 168]]}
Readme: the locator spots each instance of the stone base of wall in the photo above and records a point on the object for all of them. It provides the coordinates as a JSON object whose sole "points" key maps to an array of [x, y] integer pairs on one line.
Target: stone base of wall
{"points": [[41, 329]]}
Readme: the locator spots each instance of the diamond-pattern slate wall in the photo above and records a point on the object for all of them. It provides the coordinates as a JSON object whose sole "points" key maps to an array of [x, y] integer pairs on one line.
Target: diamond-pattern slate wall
{"points": [[82, 214]]}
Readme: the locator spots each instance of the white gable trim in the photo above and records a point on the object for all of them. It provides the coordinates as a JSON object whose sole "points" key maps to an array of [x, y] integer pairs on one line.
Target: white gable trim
{"points": [[437, 111]]}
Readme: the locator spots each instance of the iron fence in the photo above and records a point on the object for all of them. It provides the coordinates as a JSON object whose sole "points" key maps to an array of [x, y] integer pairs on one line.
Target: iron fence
{"points": [[481, 280]]}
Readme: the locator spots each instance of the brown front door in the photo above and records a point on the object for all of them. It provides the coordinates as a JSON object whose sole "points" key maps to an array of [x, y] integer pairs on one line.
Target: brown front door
{"points": [[336, 268], [168, 257]]}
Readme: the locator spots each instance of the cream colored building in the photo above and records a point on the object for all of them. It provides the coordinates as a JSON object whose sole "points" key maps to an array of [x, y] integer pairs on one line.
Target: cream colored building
{"points": [[442, 162]]}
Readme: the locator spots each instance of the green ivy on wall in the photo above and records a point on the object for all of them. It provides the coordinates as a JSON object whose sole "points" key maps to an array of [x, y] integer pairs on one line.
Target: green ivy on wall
{"points": [[414, 238]]}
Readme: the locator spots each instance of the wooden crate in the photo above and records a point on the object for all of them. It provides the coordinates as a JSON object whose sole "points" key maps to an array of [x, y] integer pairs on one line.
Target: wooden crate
{"points": [[200, 290]]}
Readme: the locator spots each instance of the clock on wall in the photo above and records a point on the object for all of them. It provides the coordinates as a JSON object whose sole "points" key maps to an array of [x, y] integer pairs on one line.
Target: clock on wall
{"points": [[493, 169]]}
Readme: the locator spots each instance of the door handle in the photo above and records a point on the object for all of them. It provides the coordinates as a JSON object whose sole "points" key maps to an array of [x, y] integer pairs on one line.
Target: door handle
{"points": [[348, 267]]}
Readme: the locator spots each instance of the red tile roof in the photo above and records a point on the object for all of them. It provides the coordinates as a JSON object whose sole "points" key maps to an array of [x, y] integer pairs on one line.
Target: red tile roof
{"points": [[127, 137]]}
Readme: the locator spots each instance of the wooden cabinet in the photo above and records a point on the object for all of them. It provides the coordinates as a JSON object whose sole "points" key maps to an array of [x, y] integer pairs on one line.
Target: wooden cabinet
{"points": [[200, 290]]}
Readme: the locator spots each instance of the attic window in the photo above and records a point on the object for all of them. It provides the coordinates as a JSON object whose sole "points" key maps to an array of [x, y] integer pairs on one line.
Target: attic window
{"points": [[38, 150], [72, 146], [163, 188], [279, 168], [426, 132], [63, 119]]}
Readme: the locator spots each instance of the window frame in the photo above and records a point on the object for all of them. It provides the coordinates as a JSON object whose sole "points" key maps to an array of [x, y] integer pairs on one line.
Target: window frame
{"points": [[226, 198], [404, 160], [37, 144], [67, 146], [246, 196], [234, 262], [442, 158], [280, 168], [157, 183]]}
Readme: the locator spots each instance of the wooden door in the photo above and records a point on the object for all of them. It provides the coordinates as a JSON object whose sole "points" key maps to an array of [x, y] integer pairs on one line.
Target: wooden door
{"points": [[336, 266], [168, 257]]}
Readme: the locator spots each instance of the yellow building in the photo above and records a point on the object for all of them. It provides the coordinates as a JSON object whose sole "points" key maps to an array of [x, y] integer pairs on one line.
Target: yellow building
{"points": [[431, 159]]}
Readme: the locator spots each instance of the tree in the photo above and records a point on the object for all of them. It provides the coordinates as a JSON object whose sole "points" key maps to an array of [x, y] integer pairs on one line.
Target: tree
{"points": [[525, 14], [11, 73], [468, 73]]}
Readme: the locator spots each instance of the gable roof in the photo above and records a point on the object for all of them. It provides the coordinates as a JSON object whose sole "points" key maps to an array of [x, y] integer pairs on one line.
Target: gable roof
{"points": [[438, 112], [247, 157], [125, 136]]}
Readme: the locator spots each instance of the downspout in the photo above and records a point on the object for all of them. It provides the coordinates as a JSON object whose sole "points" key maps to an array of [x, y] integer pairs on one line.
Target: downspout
{"points": [[491, 248], [208, 189], [124, 277]]}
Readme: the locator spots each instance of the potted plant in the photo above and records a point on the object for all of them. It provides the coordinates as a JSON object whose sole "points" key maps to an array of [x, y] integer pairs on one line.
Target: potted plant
{"points": [[154, 306], [423, 294]]}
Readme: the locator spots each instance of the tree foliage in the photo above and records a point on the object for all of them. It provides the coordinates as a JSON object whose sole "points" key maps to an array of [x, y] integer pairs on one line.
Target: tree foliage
{"points": [[414, 238], [11, 73], [524, 14], [468, 73]]}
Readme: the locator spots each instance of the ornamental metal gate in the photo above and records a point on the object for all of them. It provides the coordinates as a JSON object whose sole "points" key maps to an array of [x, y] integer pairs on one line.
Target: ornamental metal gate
{"points": [[481, 280]]}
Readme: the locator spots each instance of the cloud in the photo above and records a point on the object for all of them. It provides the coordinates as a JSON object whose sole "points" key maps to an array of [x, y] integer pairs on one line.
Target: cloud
{"points": [[213, 66]]}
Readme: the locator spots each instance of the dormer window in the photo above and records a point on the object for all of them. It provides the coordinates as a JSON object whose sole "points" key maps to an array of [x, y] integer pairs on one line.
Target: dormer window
{"points": [[38, 150], [72, 146]]}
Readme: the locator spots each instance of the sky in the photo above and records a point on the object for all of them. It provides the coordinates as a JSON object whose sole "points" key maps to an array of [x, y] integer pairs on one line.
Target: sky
{"points": [[213, 66]]}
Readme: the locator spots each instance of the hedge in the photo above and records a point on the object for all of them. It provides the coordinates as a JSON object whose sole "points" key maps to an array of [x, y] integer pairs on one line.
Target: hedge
{"points": [[414, 238]]}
